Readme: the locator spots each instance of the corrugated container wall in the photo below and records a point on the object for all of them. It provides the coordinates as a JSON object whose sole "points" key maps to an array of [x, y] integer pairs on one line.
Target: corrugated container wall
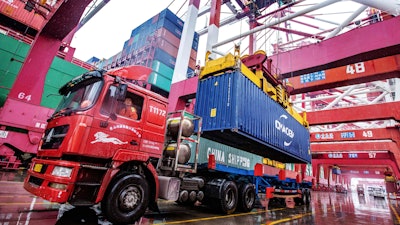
{"points": [[237, 113], [156, 40], [226, 156], [16, 10]]}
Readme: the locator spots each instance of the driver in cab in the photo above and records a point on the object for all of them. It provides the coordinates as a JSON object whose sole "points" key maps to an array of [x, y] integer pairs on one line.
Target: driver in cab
{"points": [[129, 111]]}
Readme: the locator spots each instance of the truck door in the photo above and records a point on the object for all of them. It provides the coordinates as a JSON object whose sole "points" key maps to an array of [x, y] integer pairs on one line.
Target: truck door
{"points": [[123, 132]]}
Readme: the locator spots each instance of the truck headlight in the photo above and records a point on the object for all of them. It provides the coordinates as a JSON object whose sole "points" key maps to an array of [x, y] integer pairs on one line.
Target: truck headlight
{"points": [[61, 171]]}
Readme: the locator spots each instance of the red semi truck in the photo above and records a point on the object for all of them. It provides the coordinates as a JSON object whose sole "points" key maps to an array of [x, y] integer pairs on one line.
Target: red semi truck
{"points": [[90, 154]]}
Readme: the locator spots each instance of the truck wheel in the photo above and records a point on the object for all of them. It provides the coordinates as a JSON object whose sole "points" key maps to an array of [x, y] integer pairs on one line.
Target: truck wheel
{"points": [[126, 200], [247, 197], [229, 197], [308, 200], [304, 197]]}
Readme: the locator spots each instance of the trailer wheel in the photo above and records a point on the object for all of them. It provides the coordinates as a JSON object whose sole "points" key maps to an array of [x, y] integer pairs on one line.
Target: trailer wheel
{"points": [[308, 199], [247, 197], [304, 197], [126, 200], [229, 197]]}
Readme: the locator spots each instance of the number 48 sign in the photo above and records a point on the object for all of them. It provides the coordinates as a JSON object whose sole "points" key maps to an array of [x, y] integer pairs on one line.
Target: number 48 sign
{"points": [[355, 68]]}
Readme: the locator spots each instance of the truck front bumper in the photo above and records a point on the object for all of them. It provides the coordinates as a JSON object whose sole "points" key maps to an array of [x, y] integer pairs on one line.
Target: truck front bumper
{"points": [[42, 181]]}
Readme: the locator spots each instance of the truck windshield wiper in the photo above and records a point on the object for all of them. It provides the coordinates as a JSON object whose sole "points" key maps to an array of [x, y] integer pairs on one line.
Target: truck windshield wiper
{"points": [[64, 112]]}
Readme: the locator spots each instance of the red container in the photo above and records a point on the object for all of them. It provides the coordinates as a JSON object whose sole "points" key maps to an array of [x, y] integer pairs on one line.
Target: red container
{"points": [[167, 47], [16, 11], [168, 36], [192, 64]]}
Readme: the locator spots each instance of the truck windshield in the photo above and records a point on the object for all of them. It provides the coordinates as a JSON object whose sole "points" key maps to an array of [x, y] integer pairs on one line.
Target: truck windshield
{"points": [[79, 98]]}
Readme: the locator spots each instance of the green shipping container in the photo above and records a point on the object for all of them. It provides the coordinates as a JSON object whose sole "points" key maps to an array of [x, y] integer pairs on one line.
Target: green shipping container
{"points": [[225, 155], [160, 81], [13, 53], [162, 69]]}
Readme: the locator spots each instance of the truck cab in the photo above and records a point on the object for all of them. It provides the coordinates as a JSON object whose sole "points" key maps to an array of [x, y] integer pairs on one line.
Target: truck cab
{"points": [[90, 153]]}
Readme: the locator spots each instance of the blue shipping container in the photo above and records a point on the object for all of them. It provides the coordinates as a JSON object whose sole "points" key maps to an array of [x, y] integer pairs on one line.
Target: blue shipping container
{"points": [[237, 113], [165, 58], [167, 14]]}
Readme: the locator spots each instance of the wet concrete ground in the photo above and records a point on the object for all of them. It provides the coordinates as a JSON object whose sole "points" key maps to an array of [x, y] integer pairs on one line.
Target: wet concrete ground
{"points": [[19, 207]]}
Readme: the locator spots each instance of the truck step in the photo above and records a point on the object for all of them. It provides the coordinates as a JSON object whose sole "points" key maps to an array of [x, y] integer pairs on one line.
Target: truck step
{"points": [[94, 167], [87, 184]]}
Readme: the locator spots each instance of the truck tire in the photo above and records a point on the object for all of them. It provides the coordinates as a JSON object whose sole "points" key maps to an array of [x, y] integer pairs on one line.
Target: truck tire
{"points": [[247, 197], [308, 200], [126, 199], [229, 197], [304, 197]]}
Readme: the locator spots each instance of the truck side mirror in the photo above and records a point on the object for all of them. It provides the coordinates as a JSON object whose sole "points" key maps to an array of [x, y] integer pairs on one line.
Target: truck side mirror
{"points": [[122, 89]]}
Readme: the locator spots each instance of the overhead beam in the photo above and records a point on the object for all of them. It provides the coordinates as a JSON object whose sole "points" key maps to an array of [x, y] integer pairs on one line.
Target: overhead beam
{"points": [[357, 45], [336, 151], [389, 133], [28, 86], [360, 72], [355, 146], [382, 111], [363, 162], [276, 22]]}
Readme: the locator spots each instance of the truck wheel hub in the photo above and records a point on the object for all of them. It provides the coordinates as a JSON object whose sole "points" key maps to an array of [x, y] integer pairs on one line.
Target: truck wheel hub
{"points": [[129, 198]]}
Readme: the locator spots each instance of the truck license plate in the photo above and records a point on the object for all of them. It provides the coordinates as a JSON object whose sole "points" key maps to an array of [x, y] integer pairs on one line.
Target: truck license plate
{"points": [[38, 167], [3, 134]]}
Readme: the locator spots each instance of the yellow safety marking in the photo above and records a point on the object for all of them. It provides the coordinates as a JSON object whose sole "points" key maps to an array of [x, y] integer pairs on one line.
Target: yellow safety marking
{"points": [[395, 212], [295, 217], [218, 217]]}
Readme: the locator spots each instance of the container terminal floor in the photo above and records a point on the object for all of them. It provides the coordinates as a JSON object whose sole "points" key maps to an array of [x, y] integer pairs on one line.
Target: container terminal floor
{"points": [[19, 207]]}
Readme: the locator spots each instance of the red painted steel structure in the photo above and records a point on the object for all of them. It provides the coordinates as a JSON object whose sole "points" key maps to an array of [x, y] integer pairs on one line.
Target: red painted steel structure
{"points": [[351, 146], [363, 162], [30, 79], [341, 154], [22, 110], [363, 175], [389, 110], [326, 54], [360, 72], [388, 133]]}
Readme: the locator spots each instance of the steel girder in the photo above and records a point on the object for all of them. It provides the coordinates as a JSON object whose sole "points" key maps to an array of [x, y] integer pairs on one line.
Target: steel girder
{"points": [[388, 162], [28, 86], [390, 110], [352, 146], [357, 73], [388, 133], [359, 45]]}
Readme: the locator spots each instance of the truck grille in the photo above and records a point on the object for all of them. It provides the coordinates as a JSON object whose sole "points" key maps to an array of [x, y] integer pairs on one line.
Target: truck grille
{"points": [[35, 181], [53, 137]]}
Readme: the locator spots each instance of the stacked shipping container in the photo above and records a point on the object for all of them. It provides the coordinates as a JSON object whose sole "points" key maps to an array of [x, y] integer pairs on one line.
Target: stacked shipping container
{"points": [[25, 13], [155, 44]]}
